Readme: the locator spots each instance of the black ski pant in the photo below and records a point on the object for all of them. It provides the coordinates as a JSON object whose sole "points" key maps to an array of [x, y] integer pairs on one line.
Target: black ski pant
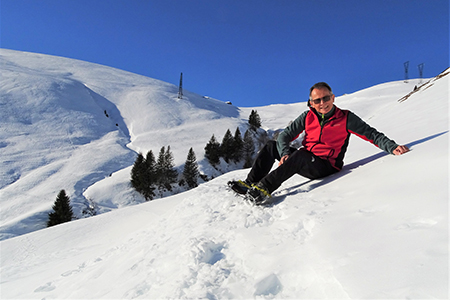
{"points": [[300, 162]]}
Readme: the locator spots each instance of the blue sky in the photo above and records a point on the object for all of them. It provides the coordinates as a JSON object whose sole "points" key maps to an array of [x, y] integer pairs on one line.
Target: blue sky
{"points": [[252, 53]]}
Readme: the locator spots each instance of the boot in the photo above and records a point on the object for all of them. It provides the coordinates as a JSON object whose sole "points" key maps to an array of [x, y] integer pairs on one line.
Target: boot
{"points": [[239, 186], [258, 193]]}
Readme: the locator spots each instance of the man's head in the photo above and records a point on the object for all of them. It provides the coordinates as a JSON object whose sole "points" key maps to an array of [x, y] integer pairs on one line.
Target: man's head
{"points": [[321, 97]]}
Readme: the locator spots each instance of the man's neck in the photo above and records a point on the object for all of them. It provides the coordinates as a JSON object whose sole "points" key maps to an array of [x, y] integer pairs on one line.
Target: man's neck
{"points": [[327, 115]]}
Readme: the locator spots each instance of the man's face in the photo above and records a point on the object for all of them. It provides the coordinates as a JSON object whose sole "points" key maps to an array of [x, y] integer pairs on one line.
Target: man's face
{"points": [[322, 107]]}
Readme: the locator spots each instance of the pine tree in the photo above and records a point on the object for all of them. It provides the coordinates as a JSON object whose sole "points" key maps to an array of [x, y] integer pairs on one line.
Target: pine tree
{"points": [[62, 211], [212, 151], [248, 149], [254, 120], [190, 171], [137, 174], [171, 172], [226, 148], [165, 172], [149, 176], [160, 168], [238, 145], [143, 175]]}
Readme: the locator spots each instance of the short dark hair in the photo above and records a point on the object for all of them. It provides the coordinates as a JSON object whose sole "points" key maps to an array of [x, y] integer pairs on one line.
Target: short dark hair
{"points": [[320, 85]]}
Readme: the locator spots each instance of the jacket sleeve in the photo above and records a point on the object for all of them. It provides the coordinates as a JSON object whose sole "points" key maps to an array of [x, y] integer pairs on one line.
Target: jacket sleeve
{"points": [[290, 133], [357, 126]]}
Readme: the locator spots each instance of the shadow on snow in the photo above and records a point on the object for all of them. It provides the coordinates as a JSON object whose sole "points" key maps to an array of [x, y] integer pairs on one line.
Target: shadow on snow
{"points": [[315, 183]]}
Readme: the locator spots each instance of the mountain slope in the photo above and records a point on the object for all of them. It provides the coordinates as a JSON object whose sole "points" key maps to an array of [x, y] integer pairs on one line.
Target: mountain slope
{"points": [[67, 124], [378, 229]]}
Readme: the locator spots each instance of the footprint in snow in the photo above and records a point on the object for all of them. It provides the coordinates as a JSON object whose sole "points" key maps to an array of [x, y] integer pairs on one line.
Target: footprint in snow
{"points": [[270, 285], [417, 224], [45, 288], [210, 252]]}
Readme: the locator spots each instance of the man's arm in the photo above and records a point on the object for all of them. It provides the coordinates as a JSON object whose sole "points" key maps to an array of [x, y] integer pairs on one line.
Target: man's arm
{"points": [[357, 126], [289, 134]]}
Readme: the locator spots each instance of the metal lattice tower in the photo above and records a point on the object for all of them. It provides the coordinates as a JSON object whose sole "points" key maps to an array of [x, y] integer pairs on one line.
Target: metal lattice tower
{"points": [[420, 66], [180, 89], [406, 65]]}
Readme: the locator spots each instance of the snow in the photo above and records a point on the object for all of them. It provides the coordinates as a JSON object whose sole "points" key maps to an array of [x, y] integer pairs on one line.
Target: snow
{"points": [[376, 230]]}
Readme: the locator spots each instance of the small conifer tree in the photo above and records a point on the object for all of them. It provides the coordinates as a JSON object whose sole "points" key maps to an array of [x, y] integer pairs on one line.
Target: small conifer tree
{"points": [[138, 174], [160, 169], [212, 151], [226, 148], [165, 172], [190, 171], [238, 145], [254, 120], [62, 211], [143, 175], [149, 176], [248, 149], [171, 172]]}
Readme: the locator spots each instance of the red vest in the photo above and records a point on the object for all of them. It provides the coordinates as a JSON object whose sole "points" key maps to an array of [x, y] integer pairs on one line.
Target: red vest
{"points": [[330, 140]]}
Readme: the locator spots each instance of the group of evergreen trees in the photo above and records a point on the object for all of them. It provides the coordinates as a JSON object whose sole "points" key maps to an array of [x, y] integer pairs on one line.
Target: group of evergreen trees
{"points": [[149, 175], [234, 148]]}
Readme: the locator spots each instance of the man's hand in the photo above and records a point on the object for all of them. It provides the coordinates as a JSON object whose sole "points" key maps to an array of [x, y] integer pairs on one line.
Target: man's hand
{"points": [[283, 159], [401, 150]]}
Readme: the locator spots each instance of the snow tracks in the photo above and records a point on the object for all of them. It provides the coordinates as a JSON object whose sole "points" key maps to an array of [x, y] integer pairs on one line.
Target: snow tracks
{"points": [[206, 243], [224, 248]]}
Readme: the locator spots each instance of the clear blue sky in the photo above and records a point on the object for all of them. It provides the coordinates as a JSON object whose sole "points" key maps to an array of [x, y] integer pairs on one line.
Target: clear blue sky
{"points": [[250, 52]]}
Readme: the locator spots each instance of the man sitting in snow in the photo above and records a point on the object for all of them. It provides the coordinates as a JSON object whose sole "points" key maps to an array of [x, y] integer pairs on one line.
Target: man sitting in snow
{"points": [[327, 132]]}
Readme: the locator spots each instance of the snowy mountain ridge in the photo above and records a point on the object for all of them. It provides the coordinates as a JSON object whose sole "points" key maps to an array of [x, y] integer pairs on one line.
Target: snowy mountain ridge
{"points": [[378, 229]]}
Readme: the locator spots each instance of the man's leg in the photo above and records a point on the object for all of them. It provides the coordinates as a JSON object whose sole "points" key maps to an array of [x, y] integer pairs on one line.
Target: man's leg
{"points": [[300, 162], [263, 162]]}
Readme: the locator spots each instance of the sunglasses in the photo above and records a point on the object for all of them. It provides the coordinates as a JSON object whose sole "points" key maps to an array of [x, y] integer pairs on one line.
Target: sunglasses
{"points": [[324, 99]]}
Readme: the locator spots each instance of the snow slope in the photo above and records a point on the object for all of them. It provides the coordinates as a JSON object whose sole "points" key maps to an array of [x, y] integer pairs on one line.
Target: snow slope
{"points": [[376, 230], [66, 124]]}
